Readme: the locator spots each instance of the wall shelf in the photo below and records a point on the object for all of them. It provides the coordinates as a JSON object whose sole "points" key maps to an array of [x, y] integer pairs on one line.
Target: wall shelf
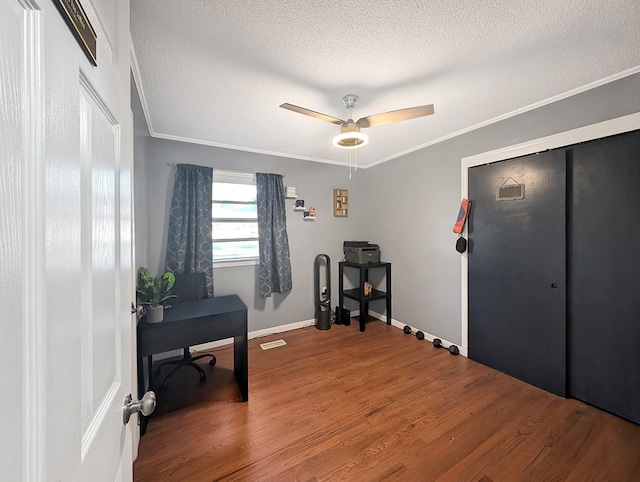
{"points": [[309, 212]]}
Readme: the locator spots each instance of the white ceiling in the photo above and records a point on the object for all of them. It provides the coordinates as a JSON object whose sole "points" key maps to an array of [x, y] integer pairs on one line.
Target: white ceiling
{"points": [[214, 72]]}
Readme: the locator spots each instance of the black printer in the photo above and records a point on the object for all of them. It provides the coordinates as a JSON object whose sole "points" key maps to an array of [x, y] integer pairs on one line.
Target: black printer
{"points": [[361, 252]]}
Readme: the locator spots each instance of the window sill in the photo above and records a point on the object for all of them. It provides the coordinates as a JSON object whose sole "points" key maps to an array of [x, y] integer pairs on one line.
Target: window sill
{"points": [[237, 262]]}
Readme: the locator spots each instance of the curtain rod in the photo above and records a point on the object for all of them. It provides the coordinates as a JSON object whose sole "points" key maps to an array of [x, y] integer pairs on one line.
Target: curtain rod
{"points": [[217, 168]]}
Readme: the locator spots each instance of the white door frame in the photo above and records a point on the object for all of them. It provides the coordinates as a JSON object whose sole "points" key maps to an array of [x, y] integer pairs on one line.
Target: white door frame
{"points": [[582, 134]]}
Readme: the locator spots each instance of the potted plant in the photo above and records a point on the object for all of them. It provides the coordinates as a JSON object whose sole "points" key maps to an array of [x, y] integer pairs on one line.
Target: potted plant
{"points": [[152, 291]]}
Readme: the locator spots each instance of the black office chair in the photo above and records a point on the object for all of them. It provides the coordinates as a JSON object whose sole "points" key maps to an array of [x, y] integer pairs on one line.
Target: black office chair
{"points": [[188, 287]]}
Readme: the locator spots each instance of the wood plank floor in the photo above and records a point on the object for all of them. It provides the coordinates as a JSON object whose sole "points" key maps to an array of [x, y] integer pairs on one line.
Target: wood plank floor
{"points": [[379, 405]]}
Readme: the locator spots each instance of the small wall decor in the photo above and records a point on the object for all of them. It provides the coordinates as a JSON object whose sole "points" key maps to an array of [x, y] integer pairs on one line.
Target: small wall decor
{"points": [[291, 192], [299, 205], [340, 202], [309, 214], [510, 191]]}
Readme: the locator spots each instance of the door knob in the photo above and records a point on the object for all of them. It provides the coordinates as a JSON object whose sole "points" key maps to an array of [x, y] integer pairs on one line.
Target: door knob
{"points": [[146, 406], [554, 285]]}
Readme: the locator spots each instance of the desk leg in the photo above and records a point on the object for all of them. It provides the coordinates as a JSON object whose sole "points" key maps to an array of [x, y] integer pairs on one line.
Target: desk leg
{"points": [[388, 294], [140, 377], [142, 420], [241, 364], [142, 389], [150, 368], [341, 290]]}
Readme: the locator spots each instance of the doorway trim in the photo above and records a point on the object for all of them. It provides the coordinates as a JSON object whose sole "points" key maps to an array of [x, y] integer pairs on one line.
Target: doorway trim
{"points": [[607, 128]]}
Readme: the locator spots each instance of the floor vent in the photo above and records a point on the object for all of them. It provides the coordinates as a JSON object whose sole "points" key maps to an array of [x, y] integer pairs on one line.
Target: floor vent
{"points": [[272, 344]]}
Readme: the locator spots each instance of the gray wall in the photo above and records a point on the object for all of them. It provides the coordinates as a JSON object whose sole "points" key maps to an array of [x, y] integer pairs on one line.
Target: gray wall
{"points": [[314, 183], [413, 202], [407, 205]]}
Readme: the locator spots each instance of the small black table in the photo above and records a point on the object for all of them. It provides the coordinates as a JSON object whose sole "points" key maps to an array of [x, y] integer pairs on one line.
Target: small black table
{"points": [[358, 293], [193, 323]]}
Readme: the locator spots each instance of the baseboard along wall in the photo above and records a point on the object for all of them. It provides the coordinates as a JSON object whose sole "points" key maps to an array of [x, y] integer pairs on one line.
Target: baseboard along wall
{"points": [[307, 323]]}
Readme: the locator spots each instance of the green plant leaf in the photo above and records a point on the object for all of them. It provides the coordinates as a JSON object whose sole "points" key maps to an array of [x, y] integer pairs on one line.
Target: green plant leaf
{"points": [[151, 290]]}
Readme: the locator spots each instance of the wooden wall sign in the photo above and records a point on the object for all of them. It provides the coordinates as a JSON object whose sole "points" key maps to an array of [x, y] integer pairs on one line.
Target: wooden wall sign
{"points": [[76, 18]]}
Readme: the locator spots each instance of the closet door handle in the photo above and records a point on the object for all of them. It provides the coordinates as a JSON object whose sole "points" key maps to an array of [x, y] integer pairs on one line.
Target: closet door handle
{"points": [[554, 285]]}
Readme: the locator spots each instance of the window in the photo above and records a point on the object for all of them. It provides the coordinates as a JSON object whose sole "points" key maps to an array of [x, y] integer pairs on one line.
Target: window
{"points": [[235, 217]]}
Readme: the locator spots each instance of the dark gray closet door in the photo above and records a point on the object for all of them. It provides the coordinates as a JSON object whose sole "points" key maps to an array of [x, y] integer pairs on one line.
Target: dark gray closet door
{"points": [[517, 269], [604, 274]]}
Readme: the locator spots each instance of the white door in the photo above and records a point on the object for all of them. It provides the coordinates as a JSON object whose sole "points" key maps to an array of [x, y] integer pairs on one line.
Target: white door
{"points": [[66, 242]]}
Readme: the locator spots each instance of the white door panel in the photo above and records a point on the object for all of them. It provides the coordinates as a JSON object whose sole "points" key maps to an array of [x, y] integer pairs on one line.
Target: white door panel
{"points": [[65, 264]]}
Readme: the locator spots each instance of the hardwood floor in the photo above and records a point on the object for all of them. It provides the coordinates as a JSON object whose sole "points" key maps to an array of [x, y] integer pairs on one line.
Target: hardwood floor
{"points": [[379, 405]]}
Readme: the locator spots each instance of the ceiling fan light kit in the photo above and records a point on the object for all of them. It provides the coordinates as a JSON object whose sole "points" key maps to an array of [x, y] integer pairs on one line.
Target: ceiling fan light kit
{"points": [[350, 136]]}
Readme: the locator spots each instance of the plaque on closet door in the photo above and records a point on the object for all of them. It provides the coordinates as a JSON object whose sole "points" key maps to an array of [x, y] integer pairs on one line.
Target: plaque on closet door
{"points": [[510, 190]]}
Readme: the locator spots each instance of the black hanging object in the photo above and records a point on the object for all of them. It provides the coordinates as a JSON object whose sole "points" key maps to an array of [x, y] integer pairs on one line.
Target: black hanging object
{"points": [[461, 245]]}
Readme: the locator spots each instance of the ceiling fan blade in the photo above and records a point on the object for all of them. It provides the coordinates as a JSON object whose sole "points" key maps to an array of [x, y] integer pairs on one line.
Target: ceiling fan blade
{"points": [[312, 113], [395, 116]]}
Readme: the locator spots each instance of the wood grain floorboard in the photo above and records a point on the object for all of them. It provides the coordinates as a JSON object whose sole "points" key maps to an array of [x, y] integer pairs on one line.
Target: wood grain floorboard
{"points": [[379, 405]]}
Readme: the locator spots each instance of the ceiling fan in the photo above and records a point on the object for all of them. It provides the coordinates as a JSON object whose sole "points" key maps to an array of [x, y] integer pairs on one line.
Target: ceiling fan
{"points": [[350, 136]]}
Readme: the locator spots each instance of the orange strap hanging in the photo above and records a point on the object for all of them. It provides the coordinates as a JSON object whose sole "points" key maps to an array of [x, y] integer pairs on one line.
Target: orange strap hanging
{"points": [[462, 216]]}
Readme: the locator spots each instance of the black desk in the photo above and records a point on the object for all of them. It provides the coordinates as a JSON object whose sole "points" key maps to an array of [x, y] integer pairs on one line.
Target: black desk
{"points": [[358, 293], [193, 323]]}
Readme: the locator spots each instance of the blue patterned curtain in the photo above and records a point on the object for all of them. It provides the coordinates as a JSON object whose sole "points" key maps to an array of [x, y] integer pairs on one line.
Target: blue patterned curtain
{"points": [[275, 266], [189, 247]]}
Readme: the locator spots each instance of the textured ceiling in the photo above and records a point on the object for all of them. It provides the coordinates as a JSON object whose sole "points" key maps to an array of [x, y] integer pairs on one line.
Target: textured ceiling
{"points": [[215, 72]]}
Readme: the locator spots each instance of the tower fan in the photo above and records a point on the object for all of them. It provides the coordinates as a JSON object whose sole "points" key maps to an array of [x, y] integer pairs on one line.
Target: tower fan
{"points": [[323, 292]]}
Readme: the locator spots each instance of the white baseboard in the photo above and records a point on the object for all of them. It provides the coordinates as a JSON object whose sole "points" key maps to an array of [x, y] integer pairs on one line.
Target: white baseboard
{"points": [[306, 323], [427, 336], [255, 334]]}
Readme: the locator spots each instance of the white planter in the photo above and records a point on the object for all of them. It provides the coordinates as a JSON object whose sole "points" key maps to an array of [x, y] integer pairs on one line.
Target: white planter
{"points": [[155, 314]]}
